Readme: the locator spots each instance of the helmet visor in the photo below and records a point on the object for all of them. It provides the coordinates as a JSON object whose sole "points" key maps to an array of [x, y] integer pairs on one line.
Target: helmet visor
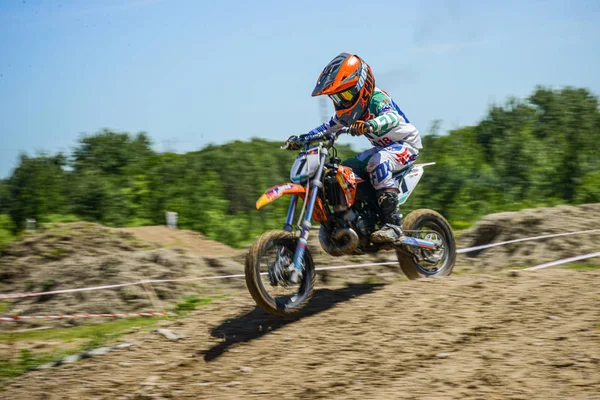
{"points": [[344, 99]]}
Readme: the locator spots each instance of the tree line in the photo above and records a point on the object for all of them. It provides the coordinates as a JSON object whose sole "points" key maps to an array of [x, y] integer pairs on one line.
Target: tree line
{"points": [[540, 151]]}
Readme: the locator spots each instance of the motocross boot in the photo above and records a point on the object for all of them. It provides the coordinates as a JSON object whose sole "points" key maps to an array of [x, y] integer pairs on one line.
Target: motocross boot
{"points": [[391, 231]]}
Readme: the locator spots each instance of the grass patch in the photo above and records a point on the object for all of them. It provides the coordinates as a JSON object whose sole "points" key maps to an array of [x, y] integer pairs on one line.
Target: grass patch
{"points": [[107, 330], [461, 225], [190, 303], [27, 360], [373, 280], [581, 266], [59, 219], [94, 336]]}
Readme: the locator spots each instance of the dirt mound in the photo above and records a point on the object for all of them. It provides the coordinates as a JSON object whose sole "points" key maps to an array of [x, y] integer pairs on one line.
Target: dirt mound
{"points": [[491, 229], [192, 242], [516, 335], [83, 254], [527, 223]]}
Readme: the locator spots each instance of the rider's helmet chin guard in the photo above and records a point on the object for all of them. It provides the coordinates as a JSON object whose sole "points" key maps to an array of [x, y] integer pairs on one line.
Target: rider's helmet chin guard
{"points": [[350, 83]]}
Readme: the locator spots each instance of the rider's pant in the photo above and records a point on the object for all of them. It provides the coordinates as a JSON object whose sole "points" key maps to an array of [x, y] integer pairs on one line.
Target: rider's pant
{"points": [[379, 163]]}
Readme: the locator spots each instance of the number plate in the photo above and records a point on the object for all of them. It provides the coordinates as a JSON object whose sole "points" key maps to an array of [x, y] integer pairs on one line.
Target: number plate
{"points": [[305, 166]]}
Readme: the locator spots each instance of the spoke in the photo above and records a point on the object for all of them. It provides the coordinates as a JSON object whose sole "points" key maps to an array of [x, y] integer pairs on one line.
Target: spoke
{"points": [[275, 262], [430, 261]]}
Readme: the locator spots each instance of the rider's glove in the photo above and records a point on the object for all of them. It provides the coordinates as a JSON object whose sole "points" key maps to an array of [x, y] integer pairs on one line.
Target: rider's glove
{"points": [[360, 128], [293, 143]]}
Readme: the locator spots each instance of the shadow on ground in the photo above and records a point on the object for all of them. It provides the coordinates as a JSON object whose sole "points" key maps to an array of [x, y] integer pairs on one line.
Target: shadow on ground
{"points": [[257, 323]]}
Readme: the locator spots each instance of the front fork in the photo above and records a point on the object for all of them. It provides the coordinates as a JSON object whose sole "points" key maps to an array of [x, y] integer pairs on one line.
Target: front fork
{"points": [[305, 225], [290, 215]]}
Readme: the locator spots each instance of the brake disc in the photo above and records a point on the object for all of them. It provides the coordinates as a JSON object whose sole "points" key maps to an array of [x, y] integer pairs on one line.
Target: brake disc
{"points": [[434, 256]]}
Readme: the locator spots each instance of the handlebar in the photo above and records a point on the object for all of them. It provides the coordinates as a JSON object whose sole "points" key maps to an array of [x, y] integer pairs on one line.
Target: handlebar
{"points": [[330, 137], [342, 131]]}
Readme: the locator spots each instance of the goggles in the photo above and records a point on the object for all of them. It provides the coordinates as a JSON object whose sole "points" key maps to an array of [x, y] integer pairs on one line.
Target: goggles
{"points": [[344, 99]]}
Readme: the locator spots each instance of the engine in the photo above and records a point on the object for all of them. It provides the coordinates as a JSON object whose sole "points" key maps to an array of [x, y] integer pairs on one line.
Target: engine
{"points": [[345, 240], [352, 225], [363, 223], [334, 193]]}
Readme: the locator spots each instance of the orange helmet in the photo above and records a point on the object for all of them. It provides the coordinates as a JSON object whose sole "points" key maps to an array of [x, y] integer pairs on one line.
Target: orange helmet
{"points": [[349, 82]]}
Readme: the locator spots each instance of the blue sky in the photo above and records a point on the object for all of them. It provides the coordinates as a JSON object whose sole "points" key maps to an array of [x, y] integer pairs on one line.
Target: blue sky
{"points": [[196, 72]]}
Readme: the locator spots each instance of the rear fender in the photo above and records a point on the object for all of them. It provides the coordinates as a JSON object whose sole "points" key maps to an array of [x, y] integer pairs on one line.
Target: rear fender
{"points": [[407, 181]]}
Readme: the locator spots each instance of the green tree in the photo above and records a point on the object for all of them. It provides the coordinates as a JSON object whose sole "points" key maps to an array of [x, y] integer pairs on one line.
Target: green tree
{"points": [[542, 150], [37, 188], [567, 121], [112, 153], [4, 197], [588, 190], [7, 229]]}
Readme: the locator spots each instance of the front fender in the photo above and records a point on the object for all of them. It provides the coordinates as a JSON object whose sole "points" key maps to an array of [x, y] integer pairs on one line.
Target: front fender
{"points": [[277, 191]]}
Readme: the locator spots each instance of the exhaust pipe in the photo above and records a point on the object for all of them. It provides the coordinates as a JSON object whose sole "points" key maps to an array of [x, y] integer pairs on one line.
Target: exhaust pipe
{"points": [[347, 235]]}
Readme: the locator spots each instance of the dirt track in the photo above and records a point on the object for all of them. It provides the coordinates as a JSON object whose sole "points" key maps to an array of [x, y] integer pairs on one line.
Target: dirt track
{"points": [[533, 335], [84, 254], [192, 242]]}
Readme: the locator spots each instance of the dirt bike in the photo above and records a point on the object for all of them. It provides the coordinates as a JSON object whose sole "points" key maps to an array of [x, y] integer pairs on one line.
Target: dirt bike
{"points": [[345, 206]]}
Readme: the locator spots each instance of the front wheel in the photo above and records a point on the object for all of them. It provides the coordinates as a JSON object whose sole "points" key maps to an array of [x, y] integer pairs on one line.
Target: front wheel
{"points": [[424, 263], [267, 261]]}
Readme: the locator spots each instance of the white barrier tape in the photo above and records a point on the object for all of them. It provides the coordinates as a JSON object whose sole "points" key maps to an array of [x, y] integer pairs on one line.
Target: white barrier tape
{"points": [[121, 315], [202, 278], [142, 282], [487, 246], [563, 261], [460, 251], [156, 314], [19, 295]]}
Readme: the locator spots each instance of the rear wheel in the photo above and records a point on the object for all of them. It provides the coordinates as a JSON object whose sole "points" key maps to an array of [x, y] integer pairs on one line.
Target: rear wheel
{"points": [[418, 262], [268, 264]]}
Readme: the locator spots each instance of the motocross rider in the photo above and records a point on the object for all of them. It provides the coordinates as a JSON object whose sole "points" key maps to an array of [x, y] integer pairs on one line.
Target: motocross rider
{"points": [[369, 111]]}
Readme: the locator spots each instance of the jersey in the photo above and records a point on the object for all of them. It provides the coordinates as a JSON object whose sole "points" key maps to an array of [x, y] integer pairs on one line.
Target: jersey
{"points": [[390, 124]]}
